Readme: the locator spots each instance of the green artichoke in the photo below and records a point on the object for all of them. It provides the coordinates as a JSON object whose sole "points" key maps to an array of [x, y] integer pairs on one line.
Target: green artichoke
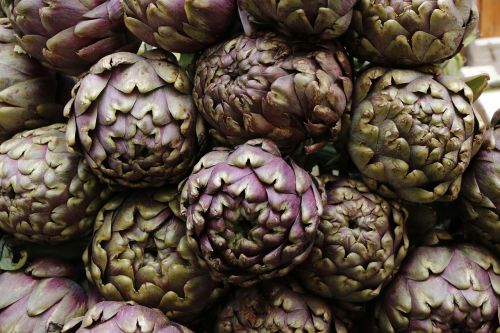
{"points": [[71, 35], [40, 299], [139, 252], [274, 307], [322, 18], [480, 196], [251, 215], [269, 87], [121, 317], [443, 289], [28, 92], [360, 244], [135, 121], [413, 134], [47, 195], [410, 32], [183, 26]]}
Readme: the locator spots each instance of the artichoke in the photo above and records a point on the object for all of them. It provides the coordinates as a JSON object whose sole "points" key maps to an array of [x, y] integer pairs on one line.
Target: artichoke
{"points": [[28, 92], [480, 196], [251, 215], [120, 317], [360, 245], [183, 26], [274, 307], [413, 134], [324, 19], [410, 32], [268, 87], [47, 195], [135, 121], [139, 252], [40, 299], [71, 35], [443, 289]]}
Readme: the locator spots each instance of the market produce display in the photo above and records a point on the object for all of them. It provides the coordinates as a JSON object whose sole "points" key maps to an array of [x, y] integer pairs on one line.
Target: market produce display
{"points": [[243, 166]]}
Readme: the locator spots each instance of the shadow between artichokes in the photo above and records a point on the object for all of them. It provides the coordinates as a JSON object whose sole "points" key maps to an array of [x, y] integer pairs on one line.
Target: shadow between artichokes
{"points": [[251, 215], [140, 253], [134, 120], [360, 244], [413, 133]]}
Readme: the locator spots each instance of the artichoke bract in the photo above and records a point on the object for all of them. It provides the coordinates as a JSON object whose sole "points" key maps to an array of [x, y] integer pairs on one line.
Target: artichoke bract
{"points": [[324, 19], [480, 196], [28, 91], [413, 134], [134, 119], [41, 299], [47, 194], [442, 289], [360, 244], [121, 317], [183, 26], [251, 215], [267, 87], [410, 32], [71, 35], [276, 307], [139, 252]]}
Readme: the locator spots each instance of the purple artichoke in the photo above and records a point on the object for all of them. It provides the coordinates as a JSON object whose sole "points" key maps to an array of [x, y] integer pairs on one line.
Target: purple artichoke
{"points": [[322, 18], [443, 289], [251, 215], [28, 91], [41, 299], [480, 196], [121, 317], [274, 307], [360, 244], [183, 26], [414, 134], [410, 33], [269, 87], [47, 194], [139, 252], [71, 35], [134, 119]]}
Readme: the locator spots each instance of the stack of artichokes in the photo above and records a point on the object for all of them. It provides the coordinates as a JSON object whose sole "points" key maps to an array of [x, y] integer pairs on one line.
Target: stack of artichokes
{"points": [[293, 166]]}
